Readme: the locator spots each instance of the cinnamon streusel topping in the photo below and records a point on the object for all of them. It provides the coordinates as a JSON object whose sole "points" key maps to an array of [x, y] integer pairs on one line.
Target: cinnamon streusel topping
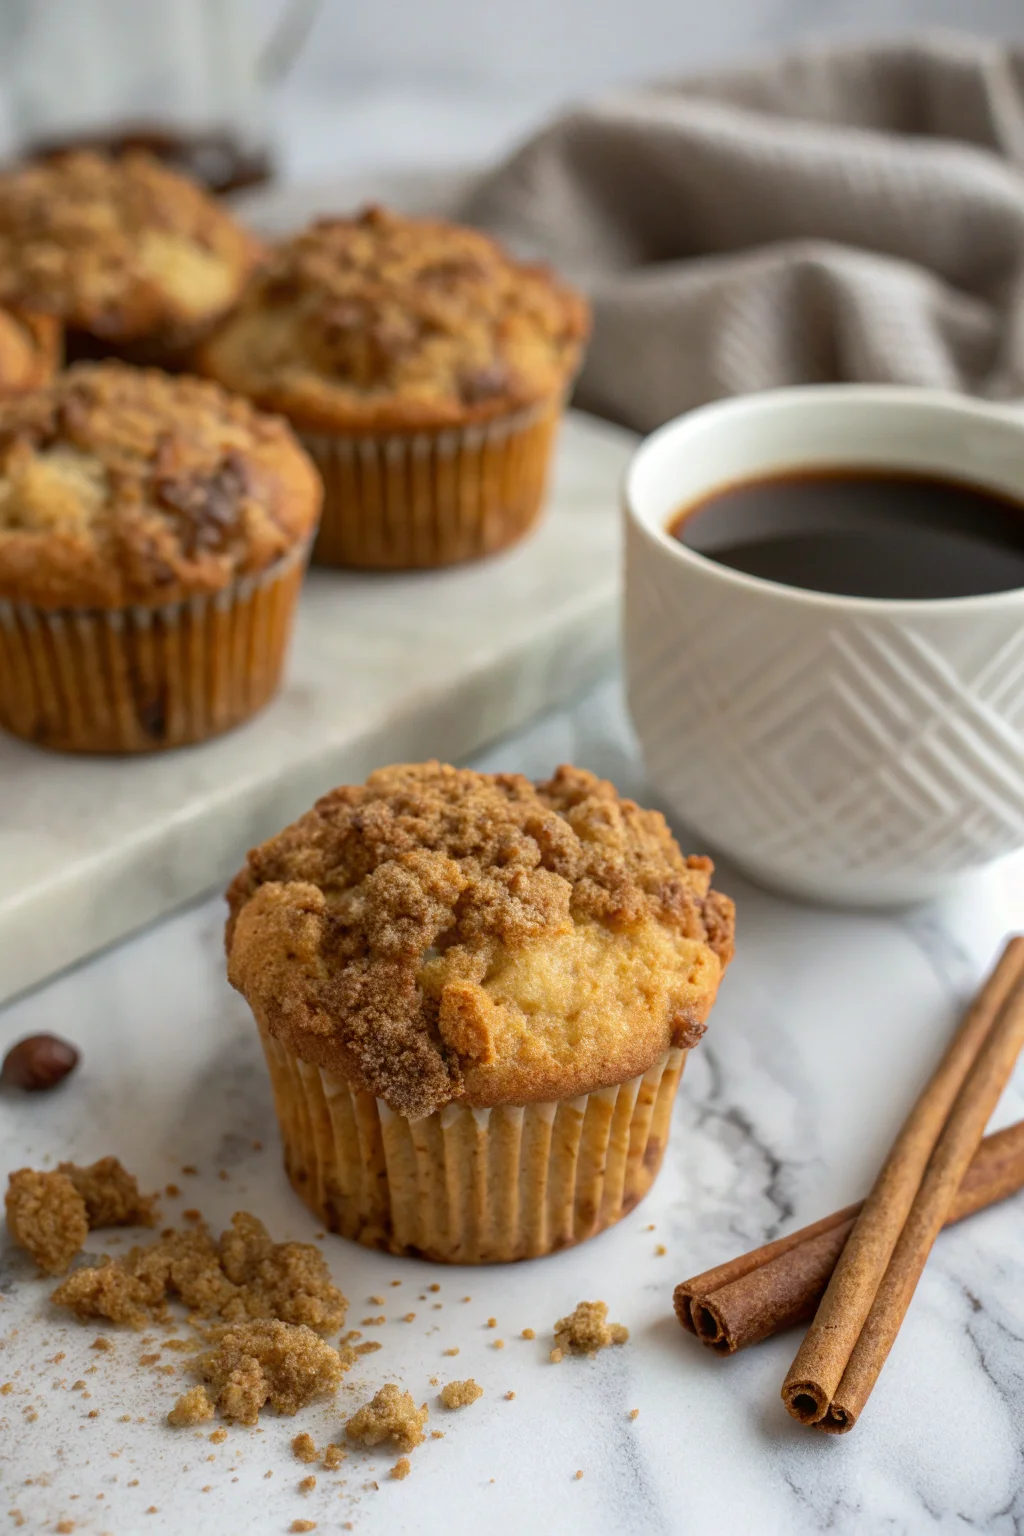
{"points": [[439, 934], [386, 321], [121, 485], [121, 247]]}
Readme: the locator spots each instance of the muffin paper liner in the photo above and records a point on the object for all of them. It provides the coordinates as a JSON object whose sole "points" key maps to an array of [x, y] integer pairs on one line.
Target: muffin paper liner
{"points": [[470, 1186], [140, 679], [425, 499]]}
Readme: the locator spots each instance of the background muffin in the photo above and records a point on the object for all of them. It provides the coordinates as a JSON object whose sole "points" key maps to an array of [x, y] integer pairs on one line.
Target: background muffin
{"points": [[152, 534], [133, 258], [475, 995], [424, 368], [30, 350]]}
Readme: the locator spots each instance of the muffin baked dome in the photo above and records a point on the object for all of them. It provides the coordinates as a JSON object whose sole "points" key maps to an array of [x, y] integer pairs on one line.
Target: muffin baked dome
{"points": [[126, 486], [119, 247], [439, 934], [384, 322]]}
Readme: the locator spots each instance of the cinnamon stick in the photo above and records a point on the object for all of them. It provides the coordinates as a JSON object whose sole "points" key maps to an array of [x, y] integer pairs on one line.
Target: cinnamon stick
{"points": [[871, 1285], [774, 1287]]}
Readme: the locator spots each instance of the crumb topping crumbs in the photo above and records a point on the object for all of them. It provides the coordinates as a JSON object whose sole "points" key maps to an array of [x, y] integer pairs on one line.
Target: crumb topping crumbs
{"points": [[192, 1407], [244, 1275], [307, 1484], [373, 935], [47, 1217], [401, 1468], [285, 1364], [334, 1455], [586, 1330], [391, 1415], [304, 1449], [111, 1194], [460, 1394]]}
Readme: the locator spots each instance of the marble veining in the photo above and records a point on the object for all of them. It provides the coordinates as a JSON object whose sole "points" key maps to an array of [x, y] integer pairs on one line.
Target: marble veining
{"points": [[824, 1030]]}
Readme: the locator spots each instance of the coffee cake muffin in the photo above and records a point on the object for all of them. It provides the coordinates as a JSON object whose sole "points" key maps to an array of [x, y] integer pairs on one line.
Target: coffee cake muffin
{"points": [[135, 260], [30, 351], [153, 532], [424, 369], [476, 995]]}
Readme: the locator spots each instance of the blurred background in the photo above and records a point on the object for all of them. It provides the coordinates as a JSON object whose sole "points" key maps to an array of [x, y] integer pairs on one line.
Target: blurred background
{"points": [[336, 86]]}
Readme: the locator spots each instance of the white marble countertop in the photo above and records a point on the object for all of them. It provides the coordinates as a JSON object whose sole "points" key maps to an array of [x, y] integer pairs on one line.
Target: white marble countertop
{"points": [[825, 1028]]}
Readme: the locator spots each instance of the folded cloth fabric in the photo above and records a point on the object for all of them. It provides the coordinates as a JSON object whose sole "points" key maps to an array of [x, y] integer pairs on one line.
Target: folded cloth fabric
{"points": [[849, 213]]}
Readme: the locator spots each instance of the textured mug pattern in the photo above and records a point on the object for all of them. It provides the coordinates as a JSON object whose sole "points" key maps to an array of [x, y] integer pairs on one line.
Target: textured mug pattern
{"points": [[869, 757]]}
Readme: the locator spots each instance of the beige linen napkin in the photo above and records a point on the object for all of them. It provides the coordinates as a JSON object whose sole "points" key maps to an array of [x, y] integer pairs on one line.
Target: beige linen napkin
{"points": [[855, 213]]}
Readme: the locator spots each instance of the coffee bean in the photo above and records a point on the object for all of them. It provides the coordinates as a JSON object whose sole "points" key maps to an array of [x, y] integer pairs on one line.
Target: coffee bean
{"points": [[37, 1063]]}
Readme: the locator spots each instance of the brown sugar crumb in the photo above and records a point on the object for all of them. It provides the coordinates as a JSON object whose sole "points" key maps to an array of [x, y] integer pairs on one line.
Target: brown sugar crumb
{"points": [[453, 1351], [244, 1275], [492, 1322], [372, 1322], [401, 1469], [307, 1484], [302, 1525], [410, 1317], [111, 1194], [634, 1413], [586, 1330], [334, 1455], [47, 1217], [459, 1394], [660, 1251], [509, 1396], [218, 1437], [528, 1333], [391, 1415], [192, 1407], [304, 1449], [285, 1364]]}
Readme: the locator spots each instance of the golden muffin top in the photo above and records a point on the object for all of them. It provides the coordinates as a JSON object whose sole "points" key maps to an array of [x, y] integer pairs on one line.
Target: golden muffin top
{"points": [[123, 485], [119, 246], [441, 934], [30, 348], [382, 321]]}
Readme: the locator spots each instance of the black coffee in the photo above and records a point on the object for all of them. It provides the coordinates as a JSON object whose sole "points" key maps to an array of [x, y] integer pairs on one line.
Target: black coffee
{"points": [[862, 533]]}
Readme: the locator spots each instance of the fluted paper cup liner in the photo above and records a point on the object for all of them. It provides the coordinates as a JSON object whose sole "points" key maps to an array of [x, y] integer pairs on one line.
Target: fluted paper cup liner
{"points": [[470, 1186], [140, 679], [424, 499]]}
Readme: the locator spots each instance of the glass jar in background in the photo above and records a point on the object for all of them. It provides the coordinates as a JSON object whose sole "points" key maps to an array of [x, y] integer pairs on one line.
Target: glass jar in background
{"points": [[188, 80]]}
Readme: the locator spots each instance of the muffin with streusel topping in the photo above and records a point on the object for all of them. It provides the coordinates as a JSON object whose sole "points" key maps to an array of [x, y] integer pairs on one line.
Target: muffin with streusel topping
{"points": [[153, 532], [476, 995], [132, 258], [424, 369]]}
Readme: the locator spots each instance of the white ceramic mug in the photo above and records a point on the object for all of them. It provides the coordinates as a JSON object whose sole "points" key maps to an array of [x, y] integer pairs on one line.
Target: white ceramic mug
{"points": [[853, 750]]}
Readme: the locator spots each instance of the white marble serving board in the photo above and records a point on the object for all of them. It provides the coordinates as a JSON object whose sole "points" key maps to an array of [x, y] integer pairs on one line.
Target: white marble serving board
{"points": [[383, 669], [827, 1024]]}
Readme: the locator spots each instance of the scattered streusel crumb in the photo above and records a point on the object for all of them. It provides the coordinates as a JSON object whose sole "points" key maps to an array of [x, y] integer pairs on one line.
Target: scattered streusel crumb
{"points": [[65, 1527], [499, 1343], [99, 1342], [47, 1217], [578, 1476], [192, 1407], [218, 1437], [492, 1322], [304, 1448], [189, 1170], [150, 1359], [453, 1351], [7, 1389], [307, 1484], [375, 1301], [223, 1175], [410, 1317], [660, 1251], [78, 1386], [434, 1287], [634, 1413], [191, 1214], [243, 1275], [390, 1415], [93, 1413], [401, 1469], [528, 1333], [370, 1347], [437, 1434], [111, 1194], [172, 1191], [509, 1396], [302, 1525], [459, 1394], [650, 1227], [372, 1322], [285, 1364], [586, 1330], [334, 1455]]}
